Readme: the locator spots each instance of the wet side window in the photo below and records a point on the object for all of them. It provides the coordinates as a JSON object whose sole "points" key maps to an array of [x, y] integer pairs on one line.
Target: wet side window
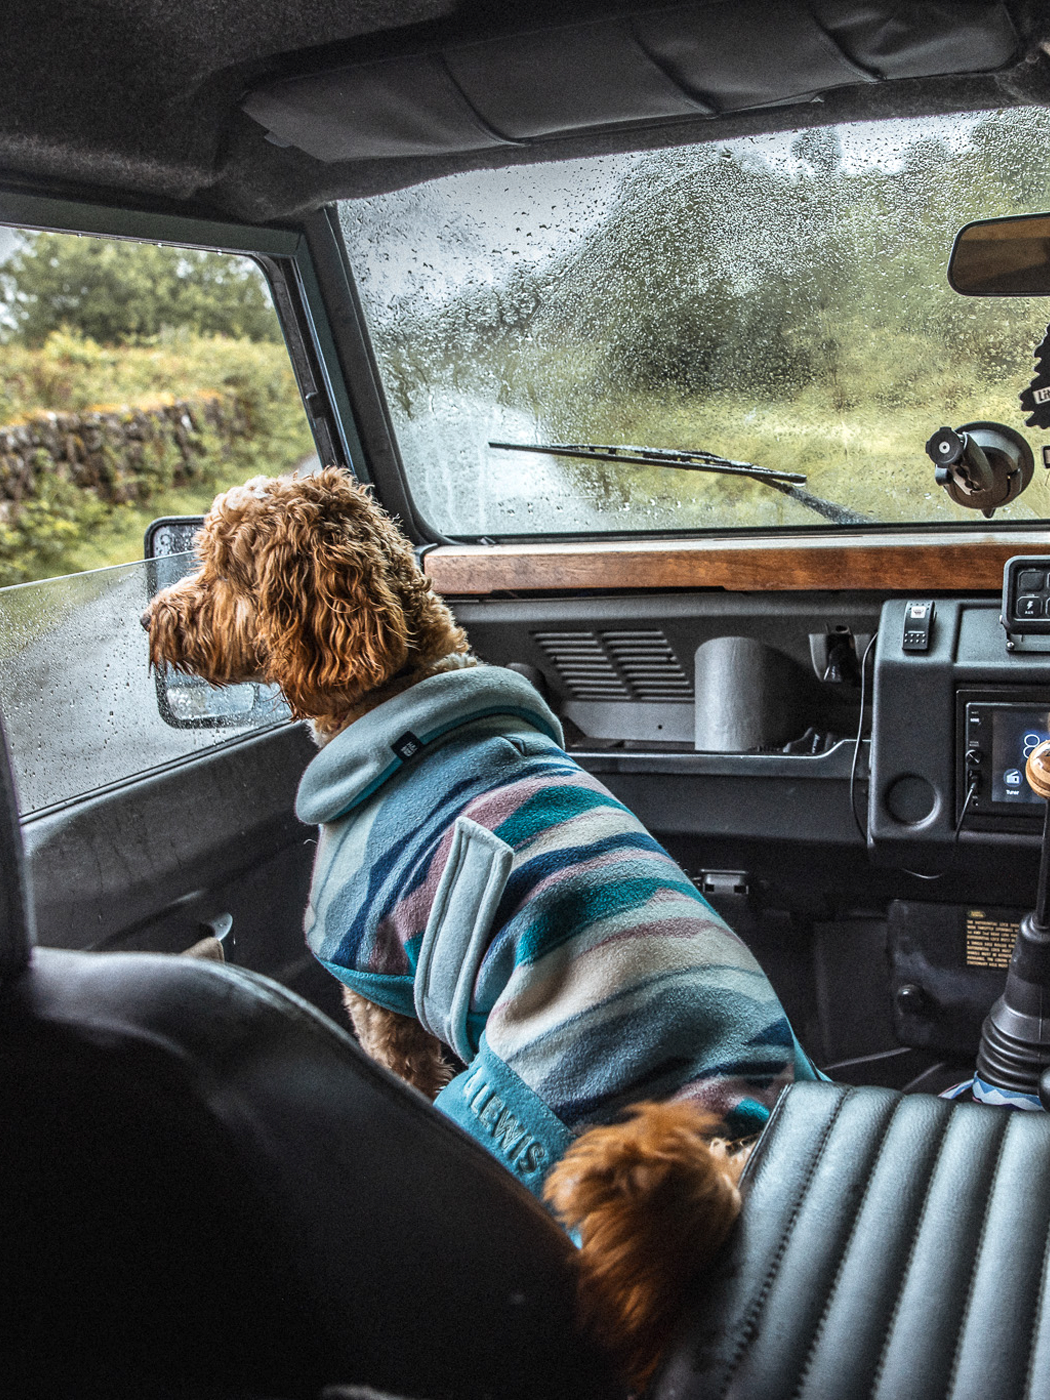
{"points": [[136, 381], [80, 708]]}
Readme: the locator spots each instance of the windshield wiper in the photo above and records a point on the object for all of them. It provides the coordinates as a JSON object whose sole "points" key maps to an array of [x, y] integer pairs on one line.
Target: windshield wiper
{"points": [[696, 461]]}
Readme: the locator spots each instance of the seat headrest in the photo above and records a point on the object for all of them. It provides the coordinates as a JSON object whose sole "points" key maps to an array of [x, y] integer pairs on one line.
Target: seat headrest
{"points": [[16, 911]]}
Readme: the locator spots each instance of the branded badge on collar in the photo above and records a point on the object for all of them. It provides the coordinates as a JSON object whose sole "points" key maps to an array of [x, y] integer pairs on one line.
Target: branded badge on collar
{"points": [[407, 746]]}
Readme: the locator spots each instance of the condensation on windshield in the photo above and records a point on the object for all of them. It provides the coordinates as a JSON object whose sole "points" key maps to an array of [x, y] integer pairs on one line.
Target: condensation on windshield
{"points": [[776, 300], [80, 706]]}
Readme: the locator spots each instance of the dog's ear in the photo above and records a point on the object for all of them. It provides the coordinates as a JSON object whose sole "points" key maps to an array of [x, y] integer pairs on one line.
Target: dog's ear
{"points": [[332, 625]]}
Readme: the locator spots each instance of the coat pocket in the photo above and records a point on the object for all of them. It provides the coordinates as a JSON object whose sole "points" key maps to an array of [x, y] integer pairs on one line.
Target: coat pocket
{"points": [[458, 932]]}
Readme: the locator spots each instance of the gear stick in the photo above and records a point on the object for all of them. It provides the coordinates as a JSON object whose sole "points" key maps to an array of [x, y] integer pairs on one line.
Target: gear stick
{"points": [[1013, 1062]]}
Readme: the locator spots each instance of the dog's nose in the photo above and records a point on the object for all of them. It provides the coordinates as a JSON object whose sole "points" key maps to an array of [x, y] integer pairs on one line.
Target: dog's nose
{"points": [[144, 619]]}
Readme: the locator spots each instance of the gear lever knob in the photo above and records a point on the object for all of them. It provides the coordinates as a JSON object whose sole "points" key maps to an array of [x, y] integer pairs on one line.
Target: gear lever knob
{"points": [[1037, 770]]}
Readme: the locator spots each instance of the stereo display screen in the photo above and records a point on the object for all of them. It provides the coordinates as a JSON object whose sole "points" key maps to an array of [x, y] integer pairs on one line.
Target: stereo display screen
{"points": [[1016, 730]]}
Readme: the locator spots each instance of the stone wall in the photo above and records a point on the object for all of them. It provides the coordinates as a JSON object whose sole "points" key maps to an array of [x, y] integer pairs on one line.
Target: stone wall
{"points": [[118, 454]]}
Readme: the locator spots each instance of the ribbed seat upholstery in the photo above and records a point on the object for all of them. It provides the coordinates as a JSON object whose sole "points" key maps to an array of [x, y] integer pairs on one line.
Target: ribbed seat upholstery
{"points": [[890, 1246]]}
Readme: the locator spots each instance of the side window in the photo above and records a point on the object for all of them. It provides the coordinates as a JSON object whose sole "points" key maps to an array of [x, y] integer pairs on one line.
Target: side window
{"points": [[136, 381]]}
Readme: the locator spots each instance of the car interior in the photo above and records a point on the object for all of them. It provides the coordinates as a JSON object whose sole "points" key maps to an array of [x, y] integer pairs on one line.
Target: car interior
{"points": [[546, 277]]}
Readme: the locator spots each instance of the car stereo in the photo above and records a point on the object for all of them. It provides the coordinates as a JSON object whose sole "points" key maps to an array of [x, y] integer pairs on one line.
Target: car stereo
{"points": [[998, 729]]}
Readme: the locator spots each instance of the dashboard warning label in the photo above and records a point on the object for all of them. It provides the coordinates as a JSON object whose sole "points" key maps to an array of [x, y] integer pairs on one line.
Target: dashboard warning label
{"points": [[989, 941]]}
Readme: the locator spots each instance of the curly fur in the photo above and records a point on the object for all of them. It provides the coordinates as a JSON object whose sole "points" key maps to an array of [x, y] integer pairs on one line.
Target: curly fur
{"points": [[653, 1199], [399, 1043], [306, 582]]}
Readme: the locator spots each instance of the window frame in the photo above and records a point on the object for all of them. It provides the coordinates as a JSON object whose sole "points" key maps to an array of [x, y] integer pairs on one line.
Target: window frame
{"points": [[285, 260]]}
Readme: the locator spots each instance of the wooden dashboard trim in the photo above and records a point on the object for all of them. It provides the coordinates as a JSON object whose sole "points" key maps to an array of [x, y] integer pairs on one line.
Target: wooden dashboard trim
{"points": [[929, 562]]}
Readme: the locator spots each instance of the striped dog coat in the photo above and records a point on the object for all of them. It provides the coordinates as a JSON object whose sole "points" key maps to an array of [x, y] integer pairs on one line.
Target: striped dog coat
{"points": [[471, 874]]}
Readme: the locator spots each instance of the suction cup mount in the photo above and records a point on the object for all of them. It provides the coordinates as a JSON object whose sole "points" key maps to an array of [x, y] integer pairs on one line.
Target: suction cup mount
{"points": [[981, 465]]}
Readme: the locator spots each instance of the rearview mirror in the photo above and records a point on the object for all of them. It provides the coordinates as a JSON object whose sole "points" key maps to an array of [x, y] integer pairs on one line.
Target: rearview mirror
{"points": [[1002, 257], [187, 702]]}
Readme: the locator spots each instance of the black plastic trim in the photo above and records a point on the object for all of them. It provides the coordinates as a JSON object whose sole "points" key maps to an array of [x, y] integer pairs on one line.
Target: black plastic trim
{"points": [[365, 399]]}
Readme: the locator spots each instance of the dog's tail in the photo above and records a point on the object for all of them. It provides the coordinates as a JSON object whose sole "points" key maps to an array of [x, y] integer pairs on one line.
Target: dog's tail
{"points": [[653, 1200]]}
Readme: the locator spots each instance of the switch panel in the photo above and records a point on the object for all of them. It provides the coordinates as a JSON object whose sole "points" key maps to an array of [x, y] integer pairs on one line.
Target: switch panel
{"points": [[918, 622], [1026, 603]]}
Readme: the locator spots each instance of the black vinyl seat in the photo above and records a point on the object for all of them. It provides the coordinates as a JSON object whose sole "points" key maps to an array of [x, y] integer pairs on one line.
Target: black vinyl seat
{"points": [[206, 1188], [891, 1246]]}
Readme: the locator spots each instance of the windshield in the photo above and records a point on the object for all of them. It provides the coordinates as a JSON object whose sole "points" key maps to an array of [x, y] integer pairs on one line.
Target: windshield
{"points": [[779, 301]]}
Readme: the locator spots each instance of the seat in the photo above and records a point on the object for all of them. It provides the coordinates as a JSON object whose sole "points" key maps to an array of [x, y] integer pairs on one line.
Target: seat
{"points": [[890, 1246], [206, 1189]]}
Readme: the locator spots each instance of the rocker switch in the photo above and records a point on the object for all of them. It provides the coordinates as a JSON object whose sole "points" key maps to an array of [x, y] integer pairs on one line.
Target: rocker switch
{"points": [[918, 619]]}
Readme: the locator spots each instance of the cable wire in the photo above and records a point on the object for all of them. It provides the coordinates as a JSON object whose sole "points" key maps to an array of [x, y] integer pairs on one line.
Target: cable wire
{"points": [[921, 875], [857, 743], [918, 874]]}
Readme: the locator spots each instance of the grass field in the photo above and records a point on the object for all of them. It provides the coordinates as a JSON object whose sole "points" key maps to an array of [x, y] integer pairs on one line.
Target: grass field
{"points": [[870, 458]]}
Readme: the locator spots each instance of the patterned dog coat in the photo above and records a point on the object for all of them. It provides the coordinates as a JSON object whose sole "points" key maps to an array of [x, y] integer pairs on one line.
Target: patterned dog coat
{"points": [[471, 874]]}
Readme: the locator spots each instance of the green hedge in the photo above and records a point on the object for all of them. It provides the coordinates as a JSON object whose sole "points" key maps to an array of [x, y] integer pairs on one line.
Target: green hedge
{"points": [[77, 482]]}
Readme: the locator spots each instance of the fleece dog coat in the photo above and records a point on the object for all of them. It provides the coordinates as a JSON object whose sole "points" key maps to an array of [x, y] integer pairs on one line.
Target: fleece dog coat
{"points": [[470, 874]]}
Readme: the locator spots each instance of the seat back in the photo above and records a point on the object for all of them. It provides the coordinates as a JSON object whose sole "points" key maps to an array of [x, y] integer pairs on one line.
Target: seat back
{"points": [[205, 1184]]}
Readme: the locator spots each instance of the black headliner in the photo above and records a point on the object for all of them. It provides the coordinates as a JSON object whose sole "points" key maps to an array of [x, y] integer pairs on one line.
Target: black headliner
{"points": [[139, 101]]}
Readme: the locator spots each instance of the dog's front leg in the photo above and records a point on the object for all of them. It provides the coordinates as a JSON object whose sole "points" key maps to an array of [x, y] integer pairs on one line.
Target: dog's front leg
{"points": [[399, 1043]]}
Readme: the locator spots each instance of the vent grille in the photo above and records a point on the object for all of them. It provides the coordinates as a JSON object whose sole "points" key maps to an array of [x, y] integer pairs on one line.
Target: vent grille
{"points": [[623, 665]]}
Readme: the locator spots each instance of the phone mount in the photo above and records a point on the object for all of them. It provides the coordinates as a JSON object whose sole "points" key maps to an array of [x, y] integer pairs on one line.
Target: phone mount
{"points": [[981, 465], [1013, 1062]]}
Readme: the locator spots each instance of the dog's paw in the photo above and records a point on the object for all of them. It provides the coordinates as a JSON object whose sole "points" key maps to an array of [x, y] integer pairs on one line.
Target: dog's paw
{"points": [[652, 1201]]}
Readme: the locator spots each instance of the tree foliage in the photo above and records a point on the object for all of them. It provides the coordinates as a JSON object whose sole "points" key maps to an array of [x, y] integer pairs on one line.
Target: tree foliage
{"points": [[724, 271], [124, 293]]}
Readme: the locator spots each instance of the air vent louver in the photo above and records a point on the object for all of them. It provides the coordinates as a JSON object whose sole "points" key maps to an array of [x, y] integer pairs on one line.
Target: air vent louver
{"points": [[583, 665], [622, 665]]}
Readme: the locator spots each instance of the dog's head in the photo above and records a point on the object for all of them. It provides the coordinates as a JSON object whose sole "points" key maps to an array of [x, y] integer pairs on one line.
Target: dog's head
{"points": [[304, 581]]}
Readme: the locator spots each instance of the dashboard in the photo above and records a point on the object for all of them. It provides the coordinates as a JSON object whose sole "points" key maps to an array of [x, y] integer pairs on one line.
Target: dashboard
{"points": [[955, 720], [841, 778]]}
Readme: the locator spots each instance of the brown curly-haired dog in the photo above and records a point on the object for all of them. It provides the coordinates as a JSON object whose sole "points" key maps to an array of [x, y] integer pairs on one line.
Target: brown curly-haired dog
{"points": [[307, 583]]}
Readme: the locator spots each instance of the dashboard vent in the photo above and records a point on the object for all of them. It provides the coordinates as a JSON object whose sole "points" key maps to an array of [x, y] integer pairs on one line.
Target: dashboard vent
{"points": [[624, 665], [648, 664], [584, 665]]}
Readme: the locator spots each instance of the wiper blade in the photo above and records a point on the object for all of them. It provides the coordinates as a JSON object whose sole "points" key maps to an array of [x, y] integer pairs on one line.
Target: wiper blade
{"points": [[788, 483], [698, 461]]}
